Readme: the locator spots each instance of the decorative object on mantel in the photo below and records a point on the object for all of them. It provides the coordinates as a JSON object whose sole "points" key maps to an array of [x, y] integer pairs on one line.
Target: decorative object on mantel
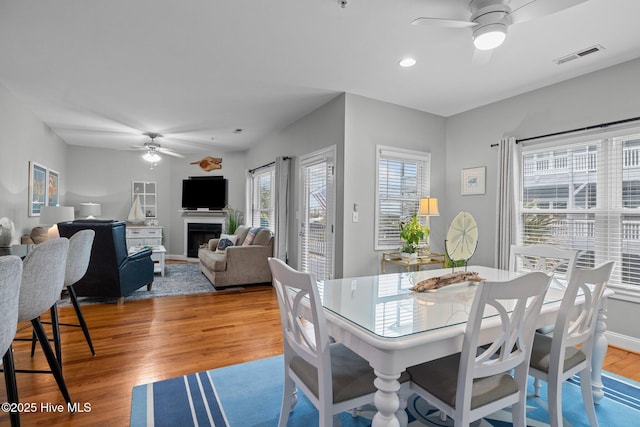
{"points": [[233, 219], [136, 216], [209, 163], [433, 283], [411, 232], [7, 230]]}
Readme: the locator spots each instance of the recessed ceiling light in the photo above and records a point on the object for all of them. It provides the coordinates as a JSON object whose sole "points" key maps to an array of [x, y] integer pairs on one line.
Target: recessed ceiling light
{"points": [[407, 62]]}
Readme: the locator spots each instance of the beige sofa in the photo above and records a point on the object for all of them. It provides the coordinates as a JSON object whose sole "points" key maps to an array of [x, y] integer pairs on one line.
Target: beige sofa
{"points": [[238, 264]]}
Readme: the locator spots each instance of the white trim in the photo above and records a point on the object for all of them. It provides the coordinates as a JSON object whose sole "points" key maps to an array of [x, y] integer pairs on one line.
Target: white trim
{"points": [[623, 341]]}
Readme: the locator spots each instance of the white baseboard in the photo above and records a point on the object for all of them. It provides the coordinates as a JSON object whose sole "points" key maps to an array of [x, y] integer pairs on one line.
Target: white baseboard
{"points": [[623, 341]]}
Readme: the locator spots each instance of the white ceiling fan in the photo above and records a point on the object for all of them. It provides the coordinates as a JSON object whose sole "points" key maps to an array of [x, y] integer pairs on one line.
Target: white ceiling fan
{"points": [[152, 149], [489, 19]]}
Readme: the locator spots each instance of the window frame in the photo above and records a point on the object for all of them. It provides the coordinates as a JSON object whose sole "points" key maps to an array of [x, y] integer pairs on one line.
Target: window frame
{"points": [[421, 159], [604, 222], [256, 211]]}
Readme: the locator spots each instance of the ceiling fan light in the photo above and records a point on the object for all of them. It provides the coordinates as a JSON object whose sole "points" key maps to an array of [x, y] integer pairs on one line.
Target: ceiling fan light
{"points": [[490, 36], [151, 157]]}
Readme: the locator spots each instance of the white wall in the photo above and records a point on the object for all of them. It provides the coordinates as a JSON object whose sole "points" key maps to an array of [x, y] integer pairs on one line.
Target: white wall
{"points": [[603, 96], [24, 138]]}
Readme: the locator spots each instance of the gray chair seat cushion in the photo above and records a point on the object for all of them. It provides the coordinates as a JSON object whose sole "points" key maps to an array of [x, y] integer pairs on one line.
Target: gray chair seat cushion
{"points": [[442, 375], [352, 375], [541, 354]]}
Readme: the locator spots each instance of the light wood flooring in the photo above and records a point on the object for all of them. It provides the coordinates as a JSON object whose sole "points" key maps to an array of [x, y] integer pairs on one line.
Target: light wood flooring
{"points": [[150, 340]]}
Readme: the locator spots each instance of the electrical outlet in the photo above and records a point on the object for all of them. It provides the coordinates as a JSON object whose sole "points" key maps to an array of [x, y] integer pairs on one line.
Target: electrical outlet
{"points": [[355, 216]]}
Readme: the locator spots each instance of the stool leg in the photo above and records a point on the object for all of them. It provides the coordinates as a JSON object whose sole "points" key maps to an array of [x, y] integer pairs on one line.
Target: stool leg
{"points": [[10, 383], [51, 358], [83, 323], [55, 330]]}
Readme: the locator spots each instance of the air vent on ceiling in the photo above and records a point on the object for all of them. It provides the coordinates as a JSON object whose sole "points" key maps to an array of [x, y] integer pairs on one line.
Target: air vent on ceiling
{"points": [[580, 54]]}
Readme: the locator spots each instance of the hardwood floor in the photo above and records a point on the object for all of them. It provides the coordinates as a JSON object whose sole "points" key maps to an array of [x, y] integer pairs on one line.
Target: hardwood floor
{"points": [[150, 340]]}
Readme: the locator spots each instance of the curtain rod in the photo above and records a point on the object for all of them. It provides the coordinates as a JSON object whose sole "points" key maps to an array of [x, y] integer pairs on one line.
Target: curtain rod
{"points": [[266, 165], [601, 125]]}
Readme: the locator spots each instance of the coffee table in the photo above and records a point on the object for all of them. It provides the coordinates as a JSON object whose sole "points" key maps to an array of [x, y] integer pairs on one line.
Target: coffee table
{"points": [[157, 256]]}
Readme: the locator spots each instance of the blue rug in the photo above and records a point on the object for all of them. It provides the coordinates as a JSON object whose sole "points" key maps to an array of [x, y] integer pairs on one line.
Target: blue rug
{"points": [[249, 394]]}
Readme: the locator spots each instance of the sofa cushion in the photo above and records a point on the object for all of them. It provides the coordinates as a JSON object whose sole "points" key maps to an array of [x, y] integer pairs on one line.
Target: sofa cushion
{"points": [[225, 241], [263, 237], [214, 260], [251, 235], [241, 232]]}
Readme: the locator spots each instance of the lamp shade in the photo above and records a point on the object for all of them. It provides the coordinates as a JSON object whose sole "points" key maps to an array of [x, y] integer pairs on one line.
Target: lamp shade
{"points": [[89, 210], [50, 215], [429, 207]]}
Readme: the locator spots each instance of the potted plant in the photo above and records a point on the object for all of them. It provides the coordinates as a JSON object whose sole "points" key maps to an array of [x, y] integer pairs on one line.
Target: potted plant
{"points": [[233, 220], [411, 232]]}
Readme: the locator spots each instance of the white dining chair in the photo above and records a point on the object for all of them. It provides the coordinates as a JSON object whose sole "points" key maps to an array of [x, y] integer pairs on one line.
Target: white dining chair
{"points": [[554, 260], [569, 351], [334, 378], [478, 381], [10, 278]]}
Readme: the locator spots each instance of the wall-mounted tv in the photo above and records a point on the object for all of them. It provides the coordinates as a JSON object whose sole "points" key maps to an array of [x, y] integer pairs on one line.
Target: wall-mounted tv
{"points": [[207, 192]]}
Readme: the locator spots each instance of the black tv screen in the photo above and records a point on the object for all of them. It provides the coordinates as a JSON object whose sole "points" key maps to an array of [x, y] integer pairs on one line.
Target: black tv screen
{"points": [[204, 193]]}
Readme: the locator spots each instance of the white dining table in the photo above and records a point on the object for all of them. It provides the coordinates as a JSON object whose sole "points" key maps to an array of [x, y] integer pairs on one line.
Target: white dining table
{"points": [[393, 328]]}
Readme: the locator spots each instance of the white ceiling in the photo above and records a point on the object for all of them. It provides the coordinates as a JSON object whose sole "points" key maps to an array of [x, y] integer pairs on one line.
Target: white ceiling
{"points": [[100, 73]]}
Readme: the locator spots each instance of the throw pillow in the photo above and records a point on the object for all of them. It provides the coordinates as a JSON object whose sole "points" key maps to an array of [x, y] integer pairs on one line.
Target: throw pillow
{"points": [[225, 241], [250, 236]]}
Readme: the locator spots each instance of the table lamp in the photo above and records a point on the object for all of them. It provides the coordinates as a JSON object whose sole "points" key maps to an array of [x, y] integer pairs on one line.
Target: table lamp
{"points": [[428, 207], [52, 215], [89, 210]]}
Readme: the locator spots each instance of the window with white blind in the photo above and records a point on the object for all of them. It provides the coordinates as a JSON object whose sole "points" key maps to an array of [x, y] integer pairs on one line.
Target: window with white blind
{"points": [[402, 179], [584, 194], [262, 198]]}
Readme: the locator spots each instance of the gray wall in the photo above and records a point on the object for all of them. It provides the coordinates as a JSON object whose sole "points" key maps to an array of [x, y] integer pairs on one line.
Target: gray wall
{"points": [[24, 138], [603, 96], [369, 123]]}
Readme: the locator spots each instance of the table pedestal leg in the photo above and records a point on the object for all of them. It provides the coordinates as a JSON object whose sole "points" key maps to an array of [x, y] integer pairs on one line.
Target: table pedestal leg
{"points": [[387, 401], [599, 352]]}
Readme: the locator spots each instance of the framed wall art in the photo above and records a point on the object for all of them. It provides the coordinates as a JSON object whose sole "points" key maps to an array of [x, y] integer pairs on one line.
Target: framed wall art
{"points": [[472, 181], [37, 188], [53, 188]]}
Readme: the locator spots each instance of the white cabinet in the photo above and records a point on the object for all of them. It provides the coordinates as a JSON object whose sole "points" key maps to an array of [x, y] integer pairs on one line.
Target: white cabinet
{"points": [[143, 235]]}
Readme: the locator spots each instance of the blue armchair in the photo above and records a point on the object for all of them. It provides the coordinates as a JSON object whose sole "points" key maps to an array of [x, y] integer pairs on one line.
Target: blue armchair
{"points": [[112, 272]]}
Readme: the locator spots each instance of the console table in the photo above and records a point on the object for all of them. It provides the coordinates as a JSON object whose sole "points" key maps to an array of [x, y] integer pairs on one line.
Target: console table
{"points": [[141, 235], [409, 263]]}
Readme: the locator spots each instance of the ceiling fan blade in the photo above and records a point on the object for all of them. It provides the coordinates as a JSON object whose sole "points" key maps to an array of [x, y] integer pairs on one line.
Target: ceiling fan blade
{"points": [[443, 23], [169, 152], [532, 9]]}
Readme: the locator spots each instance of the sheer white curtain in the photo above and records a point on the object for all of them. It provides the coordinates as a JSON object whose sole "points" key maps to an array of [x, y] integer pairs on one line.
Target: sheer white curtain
{"points": [[281, 207], [507, 218]]}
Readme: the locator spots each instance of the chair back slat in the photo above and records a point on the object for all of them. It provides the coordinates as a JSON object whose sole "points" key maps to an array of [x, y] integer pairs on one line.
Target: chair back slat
{"points": [[301, 314], [546, 258], [518, 303], [577, 325]]}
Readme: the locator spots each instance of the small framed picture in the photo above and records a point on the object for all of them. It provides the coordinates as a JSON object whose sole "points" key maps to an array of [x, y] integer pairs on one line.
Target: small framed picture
{"points": [[472, 181], [37, 188], [53, 188]]}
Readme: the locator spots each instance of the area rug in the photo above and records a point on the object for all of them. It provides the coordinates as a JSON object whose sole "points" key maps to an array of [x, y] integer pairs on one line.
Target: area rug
{"points": [[178, 279], [249, 394]]}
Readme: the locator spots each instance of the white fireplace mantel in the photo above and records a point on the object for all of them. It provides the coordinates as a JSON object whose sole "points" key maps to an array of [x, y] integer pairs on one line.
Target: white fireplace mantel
{"points": [[193, 219]]}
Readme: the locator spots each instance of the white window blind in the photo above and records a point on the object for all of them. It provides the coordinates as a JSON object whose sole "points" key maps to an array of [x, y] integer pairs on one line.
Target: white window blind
{"points": [[402, 179], [262, 198], [586, 196]]}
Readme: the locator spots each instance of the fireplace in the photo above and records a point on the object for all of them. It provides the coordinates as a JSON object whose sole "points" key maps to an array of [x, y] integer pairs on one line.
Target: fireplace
{"points": [[199, 233]]}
